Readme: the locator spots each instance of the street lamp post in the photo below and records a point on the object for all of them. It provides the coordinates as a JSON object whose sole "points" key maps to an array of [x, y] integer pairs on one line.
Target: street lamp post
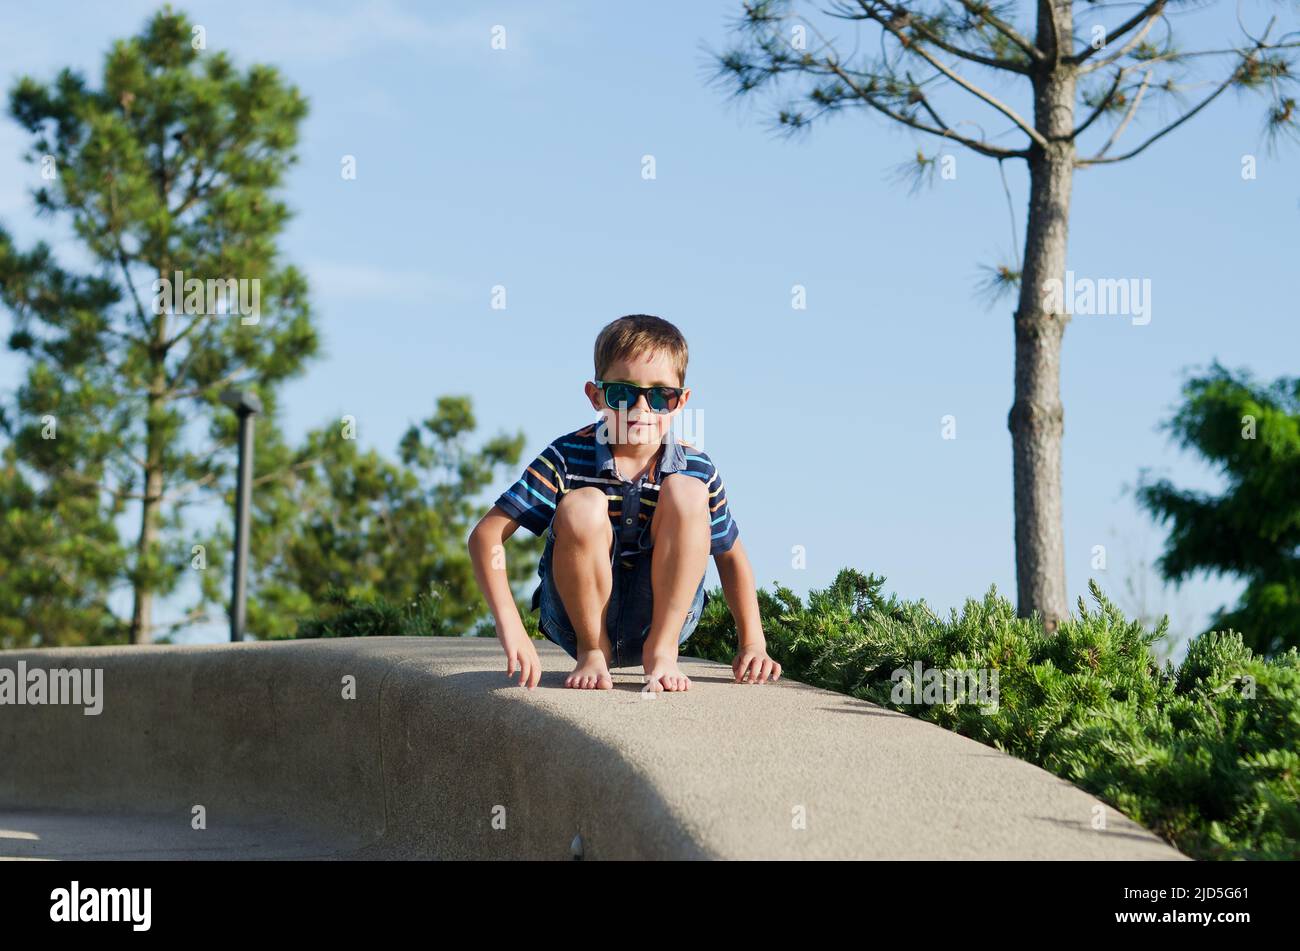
{"points": [[246, 405]]}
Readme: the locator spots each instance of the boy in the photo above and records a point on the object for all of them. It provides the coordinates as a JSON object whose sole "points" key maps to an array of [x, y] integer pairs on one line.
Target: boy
{"points": [[633, 516]]}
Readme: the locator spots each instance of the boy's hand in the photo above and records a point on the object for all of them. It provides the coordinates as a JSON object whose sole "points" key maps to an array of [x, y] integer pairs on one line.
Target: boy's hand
{"points": [[753, 666], [521, 655]]}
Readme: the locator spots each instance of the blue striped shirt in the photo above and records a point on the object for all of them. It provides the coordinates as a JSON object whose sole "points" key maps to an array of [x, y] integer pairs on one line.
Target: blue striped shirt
{"points": [[580, 459]]}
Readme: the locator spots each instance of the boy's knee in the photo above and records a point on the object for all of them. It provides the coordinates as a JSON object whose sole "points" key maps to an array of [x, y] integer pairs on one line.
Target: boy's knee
{"points": [[583, 513], [683, 495]]}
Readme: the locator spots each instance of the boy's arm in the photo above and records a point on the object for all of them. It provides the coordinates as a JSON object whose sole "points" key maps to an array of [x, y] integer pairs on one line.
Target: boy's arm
{"points": [[488, 555], [742, 598]]}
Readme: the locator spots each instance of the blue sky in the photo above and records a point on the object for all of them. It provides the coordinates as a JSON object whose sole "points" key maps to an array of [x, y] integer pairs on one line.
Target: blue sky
{"points": [[522, 168]]}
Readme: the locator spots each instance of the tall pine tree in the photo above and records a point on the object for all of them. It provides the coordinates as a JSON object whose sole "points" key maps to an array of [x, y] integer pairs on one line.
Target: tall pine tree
{"points": [[169, 167], [1060, 85]]}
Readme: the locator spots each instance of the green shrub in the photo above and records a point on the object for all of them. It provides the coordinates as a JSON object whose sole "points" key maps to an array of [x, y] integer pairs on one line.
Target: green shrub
{"points": [[345, 614], [1205, 754]]}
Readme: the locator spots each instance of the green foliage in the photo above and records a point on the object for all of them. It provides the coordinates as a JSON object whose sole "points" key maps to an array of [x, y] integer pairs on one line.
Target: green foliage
{"points": [[1205, 754], [1250, 433], [171, 164], [59, 556], [335, 521], [342, 614], [345, 615]]}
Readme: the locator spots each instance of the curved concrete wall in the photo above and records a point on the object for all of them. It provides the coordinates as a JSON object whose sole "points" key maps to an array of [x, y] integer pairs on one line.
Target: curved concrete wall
{"points": [[438, 748]]}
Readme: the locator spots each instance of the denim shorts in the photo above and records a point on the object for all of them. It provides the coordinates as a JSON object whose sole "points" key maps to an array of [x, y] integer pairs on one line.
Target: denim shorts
{"points": [[631, 605]]}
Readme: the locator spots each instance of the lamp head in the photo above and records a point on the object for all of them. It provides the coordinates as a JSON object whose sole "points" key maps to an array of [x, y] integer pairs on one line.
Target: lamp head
{"points": [[243, 402]]}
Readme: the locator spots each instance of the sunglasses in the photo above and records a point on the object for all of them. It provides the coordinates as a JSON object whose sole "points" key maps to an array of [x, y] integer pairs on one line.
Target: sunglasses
{"points": [[660, 399]]}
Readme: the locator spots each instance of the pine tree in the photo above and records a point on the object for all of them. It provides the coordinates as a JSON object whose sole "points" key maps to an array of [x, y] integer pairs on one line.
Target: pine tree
{"points": [[1079, 76], [167, 170]]}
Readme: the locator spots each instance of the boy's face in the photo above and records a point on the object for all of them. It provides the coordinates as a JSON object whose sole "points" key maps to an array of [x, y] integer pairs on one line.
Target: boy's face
{"points": [[638, 424]]}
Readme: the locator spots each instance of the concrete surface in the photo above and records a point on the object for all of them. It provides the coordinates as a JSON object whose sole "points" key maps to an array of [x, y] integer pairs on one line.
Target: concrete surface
{"points": [[42, 836], [438, 750]]}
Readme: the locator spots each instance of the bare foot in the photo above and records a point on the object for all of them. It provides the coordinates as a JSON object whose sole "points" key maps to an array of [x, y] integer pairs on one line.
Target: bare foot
{"points": [[662, 673], [592, 672]]}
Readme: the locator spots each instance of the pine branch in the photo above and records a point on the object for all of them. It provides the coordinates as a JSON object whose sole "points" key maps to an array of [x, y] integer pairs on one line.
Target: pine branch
{"points": [[1124, 50], [1102, 105], [1150, 13], [893, 28], [1101, 159], [1128, 116], [945, 132], [981, 10], [906, 18]]}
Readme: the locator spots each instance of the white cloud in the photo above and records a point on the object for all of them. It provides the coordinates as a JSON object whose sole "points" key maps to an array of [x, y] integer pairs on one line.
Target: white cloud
{"points": [[325, 32], [333, 281], [342, 31], [36, 41]]}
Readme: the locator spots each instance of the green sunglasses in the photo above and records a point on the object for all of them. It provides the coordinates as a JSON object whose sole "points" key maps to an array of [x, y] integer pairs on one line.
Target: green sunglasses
{"points": [[660, 399]]}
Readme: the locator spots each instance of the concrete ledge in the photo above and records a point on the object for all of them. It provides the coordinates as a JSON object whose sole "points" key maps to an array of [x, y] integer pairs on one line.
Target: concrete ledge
{"points": [[437, 740]]}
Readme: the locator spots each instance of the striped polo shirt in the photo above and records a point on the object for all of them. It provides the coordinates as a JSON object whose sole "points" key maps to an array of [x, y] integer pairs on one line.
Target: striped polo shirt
{"points": [[581, 458]]}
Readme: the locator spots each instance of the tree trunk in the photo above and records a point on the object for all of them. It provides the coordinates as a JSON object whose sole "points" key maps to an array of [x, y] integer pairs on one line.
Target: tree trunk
{"points": [[151, 504], [142, 615], [1037, 419]]}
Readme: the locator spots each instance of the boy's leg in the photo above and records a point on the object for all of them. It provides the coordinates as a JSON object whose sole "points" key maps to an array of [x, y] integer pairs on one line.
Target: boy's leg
{"points": [[680, 556], [580, 569]]}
